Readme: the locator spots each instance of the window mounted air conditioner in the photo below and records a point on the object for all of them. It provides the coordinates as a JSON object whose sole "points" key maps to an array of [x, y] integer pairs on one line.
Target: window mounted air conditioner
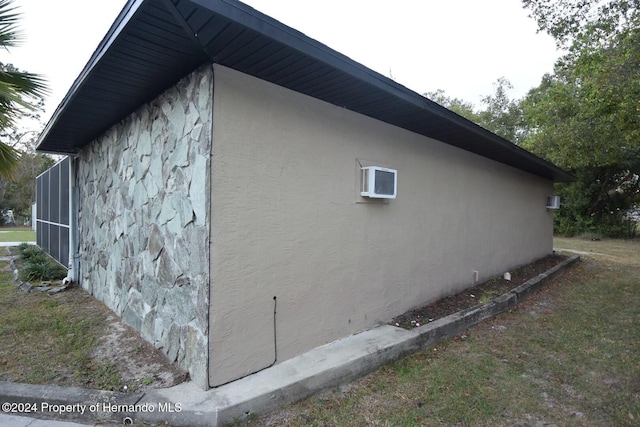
{"points": [[379, 182], [553, 202]]}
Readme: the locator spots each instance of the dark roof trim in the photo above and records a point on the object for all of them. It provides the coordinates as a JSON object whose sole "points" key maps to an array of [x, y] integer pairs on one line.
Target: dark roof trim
{"points": [[237, 36], [121, 20]]}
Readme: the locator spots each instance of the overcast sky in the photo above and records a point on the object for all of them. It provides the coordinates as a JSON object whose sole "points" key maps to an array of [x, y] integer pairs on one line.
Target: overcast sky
{"points": [[460, 46]]}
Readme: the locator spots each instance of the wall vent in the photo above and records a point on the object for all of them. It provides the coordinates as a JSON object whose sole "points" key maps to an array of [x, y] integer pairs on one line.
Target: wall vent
{"points": [[553, 202]]}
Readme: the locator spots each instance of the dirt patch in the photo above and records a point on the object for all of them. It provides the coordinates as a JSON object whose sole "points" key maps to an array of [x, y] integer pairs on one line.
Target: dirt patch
{"points": [[138, 364], [475, 295], [141, 365]]}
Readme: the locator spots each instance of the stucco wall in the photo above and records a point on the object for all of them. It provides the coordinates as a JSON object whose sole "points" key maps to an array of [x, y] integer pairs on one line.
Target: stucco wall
{"points": [[143, 220], [287, 221]]}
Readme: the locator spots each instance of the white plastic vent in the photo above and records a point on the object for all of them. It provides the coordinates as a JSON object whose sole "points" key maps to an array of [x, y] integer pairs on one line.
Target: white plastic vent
{"points": [[553, 202]]}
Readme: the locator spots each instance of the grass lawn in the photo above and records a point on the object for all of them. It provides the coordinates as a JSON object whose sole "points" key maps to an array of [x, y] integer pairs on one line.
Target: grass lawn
{"points": [[71, 339], [49, 339], [17, 234], [569, 355]]}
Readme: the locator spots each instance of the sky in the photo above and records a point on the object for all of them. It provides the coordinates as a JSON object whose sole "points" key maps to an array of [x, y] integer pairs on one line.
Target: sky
{"points": [[459, 46]]}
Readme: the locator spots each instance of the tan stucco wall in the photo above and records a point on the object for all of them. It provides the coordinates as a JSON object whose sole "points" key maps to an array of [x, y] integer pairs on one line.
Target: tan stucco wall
{"points": [[286, 222]]}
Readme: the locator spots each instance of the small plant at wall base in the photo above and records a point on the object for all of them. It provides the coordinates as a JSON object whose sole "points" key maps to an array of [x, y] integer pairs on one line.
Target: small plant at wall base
{"points": [[43, 270], [28, 252], [37, 266]]}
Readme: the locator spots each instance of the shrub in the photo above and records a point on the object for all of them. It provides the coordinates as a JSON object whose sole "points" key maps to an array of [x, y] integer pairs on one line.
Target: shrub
{"points": [[42, 270], [37, 265], [30, 252]]}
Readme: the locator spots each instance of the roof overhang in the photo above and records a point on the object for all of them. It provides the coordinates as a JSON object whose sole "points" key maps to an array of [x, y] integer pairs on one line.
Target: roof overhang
{"points": [[154, 43]]}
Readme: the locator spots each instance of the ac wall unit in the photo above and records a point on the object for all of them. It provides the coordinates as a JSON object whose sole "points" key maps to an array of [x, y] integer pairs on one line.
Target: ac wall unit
{"points": [[553, 202], [379, 182]]}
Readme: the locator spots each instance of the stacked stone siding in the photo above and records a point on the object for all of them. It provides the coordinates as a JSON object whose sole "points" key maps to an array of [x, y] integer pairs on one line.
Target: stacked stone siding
{"points": [[143, 220]]}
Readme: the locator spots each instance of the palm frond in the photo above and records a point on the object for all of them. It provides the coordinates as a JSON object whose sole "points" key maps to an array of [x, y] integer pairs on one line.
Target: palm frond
{"points": [[19, 91], [10, 36], [9, 159], [24, 83]]}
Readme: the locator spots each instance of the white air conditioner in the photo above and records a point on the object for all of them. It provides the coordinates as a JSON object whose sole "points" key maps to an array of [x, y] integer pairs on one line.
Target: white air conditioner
{"points": [[379, 182], [553, 202]]}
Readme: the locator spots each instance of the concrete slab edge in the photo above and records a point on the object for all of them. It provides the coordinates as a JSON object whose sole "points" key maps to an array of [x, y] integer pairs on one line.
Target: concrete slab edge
{"points": [[329, 366], [63, 403]]}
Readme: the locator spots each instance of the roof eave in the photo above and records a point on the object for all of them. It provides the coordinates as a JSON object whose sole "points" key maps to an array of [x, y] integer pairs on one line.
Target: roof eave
{"points": [[121, 21]]}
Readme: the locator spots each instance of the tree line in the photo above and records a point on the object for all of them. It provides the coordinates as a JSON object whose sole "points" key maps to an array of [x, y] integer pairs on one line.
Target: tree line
{"points": [[584, 117]]}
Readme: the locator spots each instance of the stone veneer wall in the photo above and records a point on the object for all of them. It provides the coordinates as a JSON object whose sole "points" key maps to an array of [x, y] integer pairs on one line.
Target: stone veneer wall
{"points": [[144, 220]]}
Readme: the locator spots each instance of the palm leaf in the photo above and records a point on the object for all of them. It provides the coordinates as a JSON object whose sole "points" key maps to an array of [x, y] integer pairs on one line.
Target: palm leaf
{"points": [[19, 91], [9, 34], [9, 159]]}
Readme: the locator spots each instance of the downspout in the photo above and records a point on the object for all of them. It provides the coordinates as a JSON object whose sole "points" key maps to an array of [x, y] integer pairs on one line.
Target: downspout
{"points": [[73, 274]]}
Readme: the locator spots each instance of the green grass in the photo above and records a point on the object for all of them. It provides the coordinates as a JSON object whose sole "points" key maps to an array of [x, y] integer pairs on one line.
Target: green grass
{"points": [[17, 234], [49, 339], [568, 355]]}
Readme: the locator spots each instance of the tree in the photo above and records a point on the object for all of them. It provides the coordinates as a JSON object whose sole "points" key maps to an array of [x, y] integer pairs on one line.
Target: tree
{"points": [[18, 193], [566, 20], [585, 116], [19, 91], [501, 115], [457, 105]]}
